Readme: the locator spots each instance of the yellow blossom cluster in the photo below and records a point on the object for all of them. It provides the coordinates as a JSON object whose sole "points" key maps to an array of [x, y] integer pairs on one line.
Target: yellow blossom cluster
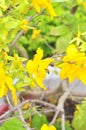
{"points": [[6, 84], [46, 127], [24, 25], [74, 65], [35, 34], [46, 4], [82, 3], [37, 68]]}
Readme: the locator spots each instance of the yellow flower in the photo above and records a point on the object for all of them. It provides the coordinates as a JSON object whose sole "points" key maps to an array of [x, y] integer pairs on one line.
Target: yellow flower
{"points": [[35, 34], [74, 56], [46, 4], [82, 74], [37, 68], [79, 34], [24, 25], [79, 1], [6, 84], [82, 3], [69, 70], [6, 33], [26, 106], [74, 65], [46, 127], [17, 62]]}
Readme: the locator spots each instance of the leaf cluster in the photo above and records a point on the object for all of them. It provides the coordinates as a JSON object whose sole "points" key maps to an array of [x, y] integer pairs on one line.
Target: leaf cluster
{"points": [[78, 122]]}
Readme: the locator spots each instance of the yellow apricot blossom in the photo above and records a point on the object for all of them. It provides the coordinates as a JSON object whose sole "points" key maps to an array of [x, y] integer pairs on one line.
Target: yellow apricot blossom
{"points": [[46, 4], [37, 68], [74, 65], [6, 33], [46, 127], [82, 74], [24, 25], [26, 106], [82, 3], [17, 62], [35, 34], [6, 84], [74, 55]]}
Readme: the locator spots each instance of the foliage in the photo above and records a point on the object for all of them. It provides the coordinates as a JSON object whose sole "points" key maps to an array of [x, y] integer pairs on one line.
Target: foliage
{"points": [[76, 60], [58, 32], [78, 122], [38, 121], [15, 73], [58, 125], [43, 40], [12, 124]]}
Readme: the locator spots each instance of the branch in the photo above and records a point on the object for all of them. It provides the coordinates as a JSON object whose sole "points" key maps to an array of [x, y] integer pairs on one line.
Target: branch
{"points": [[21, 50], [30, 18], [40, 93], [22, 119], [63, 121], [8, 101], [49, 46], [6, 114], [16, 39], [60, 106]]}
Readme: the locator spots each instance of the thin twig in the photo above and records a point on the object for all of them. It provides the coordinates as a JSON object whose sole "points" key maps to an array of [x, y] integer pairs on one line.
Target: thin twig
{"points": [[30, 18], [49, 46], [3, 120], [16, 39], [54, 118], [21, 50], [48, 111], [8, 101], [63, 121], [60, 106], [6, 114], [22, 119], [39, 93]]}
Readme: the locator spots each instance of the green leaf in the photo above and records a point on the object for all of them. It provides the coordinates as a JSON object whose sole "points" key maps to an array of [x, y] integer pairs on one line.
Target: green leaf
{"points": [[12, 124], [79, 120], [1, 13], [83, 47], [2, 128], [58, 0], [60, 30], [63, 42], [82, 27], [58, 125], [38, 121], [13, 23]]}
